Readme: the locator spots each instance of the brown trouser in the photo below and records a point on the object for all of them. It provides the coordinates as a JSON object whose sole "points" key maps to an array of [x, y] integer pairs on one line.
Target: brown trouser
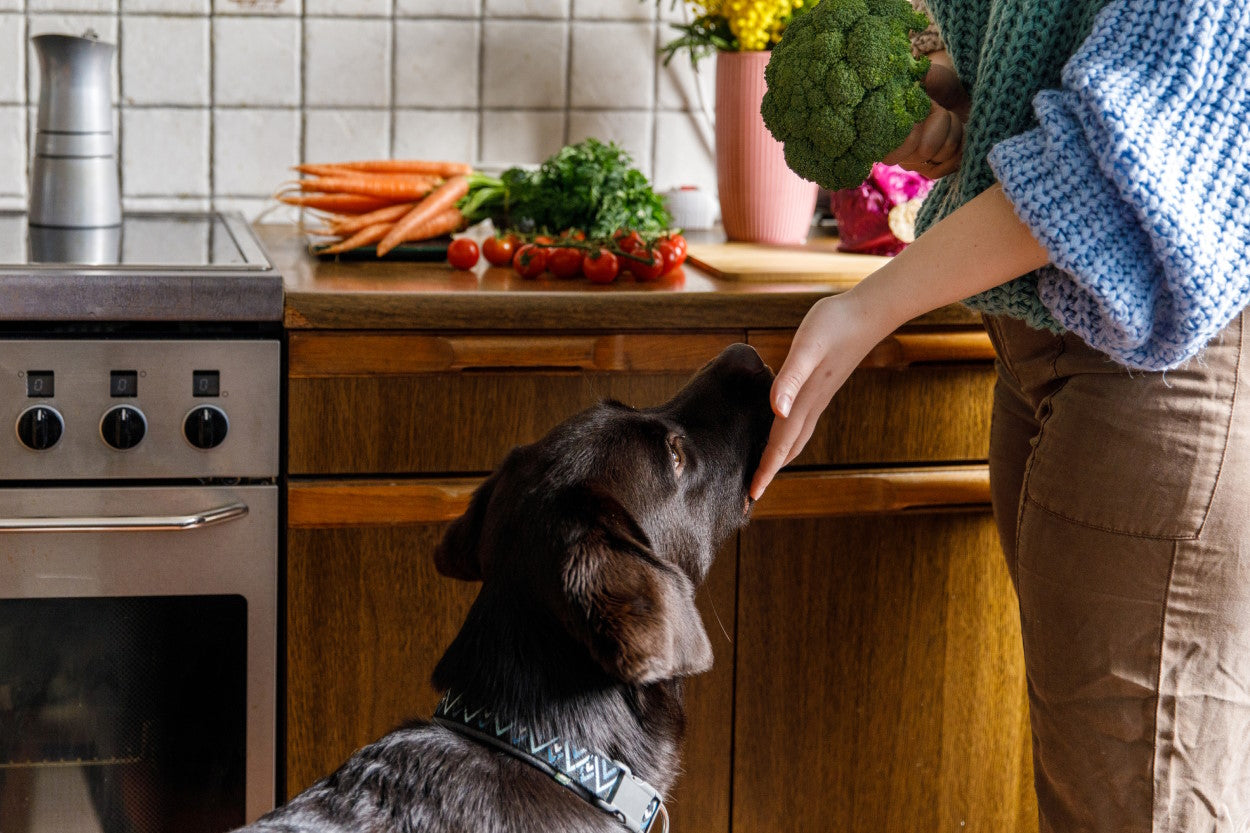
{"points": [[1123, 501]]}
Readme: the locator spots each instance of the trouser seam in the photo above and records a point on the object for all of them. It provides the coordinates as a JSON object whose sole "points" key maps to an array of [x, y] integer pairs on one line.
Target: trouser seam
{"points": [[1155, 825], [1228, 427]]}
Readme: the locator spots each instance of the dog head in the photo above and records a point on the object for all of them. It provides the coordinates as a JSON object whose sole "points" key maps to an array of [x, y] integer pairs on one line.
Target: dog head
{"points": [[609, 523]]}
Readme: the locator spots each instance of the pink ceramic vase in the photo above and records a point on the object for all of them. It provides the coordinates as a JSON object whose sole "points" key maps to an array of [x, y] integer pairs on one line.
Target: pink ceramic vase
{"points": [[761, 200]]}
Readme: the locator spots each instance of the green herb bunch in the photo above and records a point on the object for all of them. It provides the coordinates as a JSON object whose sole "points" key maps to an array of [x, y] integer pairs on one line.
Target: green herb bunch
{"points": [[591, 186]]}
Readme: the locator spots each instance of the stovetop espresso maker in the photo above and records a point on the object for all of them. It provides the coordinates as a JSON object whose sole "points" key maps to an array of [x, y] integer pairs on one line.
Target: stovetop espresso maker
{"points": [[74, 178]]}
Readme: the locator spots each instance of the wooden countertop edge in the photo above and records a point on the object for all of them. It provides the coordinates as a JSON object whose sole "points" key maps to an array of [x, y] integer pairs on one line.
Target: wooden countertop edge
{"points": [[330, 503], [620, 311]]}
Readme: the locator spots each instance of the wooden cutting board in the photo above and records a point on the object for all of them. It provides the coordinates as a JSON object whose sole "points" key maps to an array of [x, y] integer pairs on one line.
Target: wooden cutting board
{"points": [[759, 262]]}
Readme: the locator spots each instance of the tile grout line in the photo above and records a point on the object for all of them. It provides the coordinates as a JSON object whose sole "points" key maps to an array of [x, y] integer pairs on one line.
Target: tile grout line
{"points": [[481, 79], [212, 117], [568, 74]]}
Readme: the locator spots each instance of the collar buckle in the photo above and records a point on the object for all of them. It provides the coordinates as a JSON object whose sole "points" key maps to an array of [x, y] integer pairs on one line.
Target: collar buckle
{"points": [[635, 803]]}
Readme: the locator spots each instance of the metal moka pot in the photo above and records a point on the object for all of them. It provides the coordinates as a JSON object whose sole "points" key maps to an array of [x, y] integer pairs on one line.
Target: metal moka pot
{"points": [[74, 181]]}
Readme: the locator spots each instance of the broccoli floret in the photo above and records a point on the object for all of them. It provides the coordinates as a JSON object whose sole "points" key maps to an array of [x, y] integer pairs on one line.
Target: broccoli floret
{"points": [[844, 89]]}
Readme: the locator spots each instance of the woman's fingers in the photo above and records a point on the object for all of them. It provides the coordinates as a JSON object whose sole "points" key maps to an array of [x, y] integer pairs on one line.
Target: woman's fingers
{"points": [[789, 435], [780, 441], [933, 147], [806, 351]]}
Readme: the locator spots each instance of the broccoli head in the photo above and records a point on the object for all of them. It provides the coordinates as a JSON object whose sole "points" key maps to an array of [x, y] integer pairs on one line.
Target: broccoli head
{"points": [[844, 89]]}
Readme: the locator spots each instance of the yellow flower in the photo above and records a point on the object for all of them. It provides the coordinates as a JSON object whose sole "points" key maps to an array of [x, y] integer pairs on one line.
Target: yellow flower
{"points": [[757, 24]]}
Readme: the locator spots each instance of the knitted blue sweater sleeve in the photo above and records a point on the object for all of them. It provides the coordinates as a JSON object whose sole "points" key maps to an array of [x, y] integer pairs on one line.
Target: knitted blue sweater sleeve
{"points": [[1137, 179]]}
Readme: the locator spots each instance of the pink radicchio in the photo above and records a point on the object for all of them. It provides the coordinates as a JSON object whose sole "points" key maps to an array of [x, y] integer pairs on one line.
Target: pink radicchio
{"points": [[863, 212]]}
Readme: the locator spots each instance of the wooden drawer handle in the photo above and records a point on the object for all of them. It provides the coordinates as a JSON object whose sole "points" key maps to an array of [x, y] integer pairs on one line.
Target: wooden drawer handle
{"points": [[902, 350], [315, 504], [314, 355], [896, 352], [822, 494]]}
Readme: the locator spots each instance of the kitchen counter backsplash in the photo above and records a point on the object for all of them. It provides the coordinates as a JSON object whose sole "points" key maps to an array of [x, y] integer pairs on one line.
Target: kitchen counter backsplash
{"points": [[216, 99]]}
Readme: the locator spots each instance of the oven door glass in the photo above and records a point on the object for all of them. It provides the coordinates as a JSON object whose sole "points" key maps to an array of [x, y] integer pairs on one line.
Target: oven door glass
{"points": [[122, 715]]}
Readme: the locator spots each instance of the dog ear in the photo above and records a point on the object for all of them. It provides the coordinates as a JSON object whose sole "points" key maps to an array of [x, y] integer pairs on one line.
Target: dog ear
{"points": [[458, 554], [636, 614]]}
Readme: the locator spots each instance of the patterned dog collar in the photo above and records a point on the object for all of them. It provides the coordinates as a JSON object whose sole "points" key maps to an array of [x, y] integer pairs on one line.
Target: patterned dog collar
{"points": [[605, 783]]}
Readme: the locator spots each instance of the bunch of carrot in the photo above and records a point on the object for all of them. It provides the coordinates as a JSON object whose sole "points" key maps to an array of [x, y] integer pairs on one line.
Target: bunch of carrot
{"points": [[384, 202]]}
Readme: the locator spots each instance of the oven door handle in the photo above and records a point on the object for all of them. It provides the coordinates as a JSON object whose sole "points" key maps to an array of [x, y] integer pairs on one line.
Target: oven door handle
{"points": [[127, 523]]}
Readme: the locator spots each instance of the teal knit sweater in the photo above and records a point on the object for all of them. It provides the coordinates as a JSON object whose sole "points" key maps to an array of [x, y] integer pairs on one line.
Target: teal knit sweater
{"points": [[1005, 52], [1118, 129]]}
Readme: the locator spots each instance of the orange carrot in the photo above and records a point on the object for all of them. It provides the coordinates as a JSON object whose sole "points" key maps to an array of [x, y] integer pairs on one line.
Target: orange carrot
{"points": [[393, 187], [399, 166], [440, 199], [346, 224], [337, 203], [367, 235], [324, 170], [444, 222]]}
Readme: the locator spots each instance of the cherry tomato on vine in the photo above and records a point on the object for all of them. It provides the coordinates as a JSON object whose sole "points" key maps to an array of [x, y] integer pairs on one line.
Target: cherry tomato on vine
{"points": [[650, 267], [680, 242], [629, 242], [564, 262], [669, 254], [530, 261], [499, 250], [600, 266], [462, 253]]}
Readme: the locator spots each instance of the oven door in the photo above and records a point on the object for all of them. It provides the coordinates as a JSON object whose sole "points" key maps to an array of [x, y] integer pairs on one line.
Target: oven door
{"points": [[137, 658]]}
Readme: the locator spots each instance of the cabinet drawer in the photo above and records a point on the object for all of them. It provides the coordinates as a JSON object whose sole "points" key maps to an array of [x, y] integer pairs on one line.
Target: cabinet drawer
{"points": [[917, 397], [406, 403]]}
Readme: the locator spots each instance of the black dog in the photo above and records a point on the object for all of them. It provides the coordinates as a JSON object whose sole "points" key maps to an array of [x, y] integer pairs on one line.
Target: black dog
{"points": [[564, 709]]}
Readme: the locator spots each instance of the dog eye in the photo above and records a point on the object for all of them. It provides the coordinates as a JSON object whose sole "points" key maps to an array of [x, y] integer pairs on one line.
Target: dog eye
{"points": [[676, 455]]}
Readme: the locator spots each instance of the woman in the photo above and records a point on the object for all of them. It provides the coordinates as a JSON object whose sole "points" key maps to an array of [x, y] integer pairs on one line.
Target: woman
{"points": [[1095, 206]]}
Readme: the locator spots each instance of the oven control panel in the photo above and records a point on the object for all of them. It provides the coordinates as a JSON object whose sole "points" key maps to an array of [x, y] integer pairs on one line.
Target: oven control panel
{"points": [[91, 409]]}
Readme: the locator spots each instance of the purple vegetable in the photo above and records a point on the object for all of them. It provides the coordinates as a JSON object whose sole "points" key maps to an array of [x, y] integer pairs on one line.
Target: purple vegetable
{"points": [[863, 212]]}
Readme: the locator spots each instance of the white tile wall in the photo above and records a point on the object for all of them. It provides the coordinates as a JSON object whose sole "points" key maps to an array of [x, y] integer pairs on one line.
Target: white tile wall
{"points": [[163, 60], [216, 99], [256, 61]]}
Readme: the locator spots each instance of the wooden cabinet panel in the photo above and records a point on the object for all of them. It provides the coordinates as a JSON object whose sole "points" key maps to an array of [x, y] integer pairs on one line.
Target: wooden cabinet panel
{"points": [[402, 404], [916, 398], [369, 617], [879, 679]]}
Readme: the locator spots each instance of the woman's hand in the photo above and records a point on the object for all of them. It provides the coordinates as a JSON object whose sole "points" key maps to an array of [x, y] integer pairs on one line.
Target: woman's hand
{"points": [[935, 145], [836, 334]]}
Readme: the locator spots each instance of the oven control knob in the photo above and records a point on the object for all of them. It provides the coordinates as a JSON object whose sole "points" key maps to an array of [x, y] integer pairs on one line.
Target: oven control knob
{"points": [[206, 426], [123, 427], [39, 427]]}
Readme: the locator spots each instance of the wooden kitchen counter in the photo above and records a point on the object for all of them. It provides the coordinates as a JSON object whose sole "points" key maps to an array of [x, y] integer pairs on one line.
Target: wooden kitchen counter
{"points": [[376, 295]]}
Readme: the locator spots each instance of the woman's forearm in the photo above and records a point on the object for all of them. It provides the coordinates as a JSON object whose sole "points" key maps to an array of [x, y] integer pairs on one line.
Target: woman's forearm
{"points": [[978, 246]]}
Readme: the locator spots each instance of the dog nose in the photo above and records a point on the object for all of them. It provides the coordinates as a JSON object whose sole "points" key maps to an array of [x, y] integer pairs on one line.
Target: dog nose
{"points": [[743, 358]]}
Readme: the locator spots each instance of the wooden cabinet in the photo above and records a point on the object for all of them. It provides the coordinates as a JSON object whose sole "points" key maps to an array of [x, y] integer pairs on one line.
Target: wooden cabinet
{"points": [[867, 671]]}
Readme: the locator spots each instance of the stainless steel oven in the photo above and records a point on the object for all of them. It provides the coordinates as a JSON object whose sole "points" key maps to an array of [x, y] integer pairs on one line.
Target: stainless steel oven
{"points": [[139, 540]]}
